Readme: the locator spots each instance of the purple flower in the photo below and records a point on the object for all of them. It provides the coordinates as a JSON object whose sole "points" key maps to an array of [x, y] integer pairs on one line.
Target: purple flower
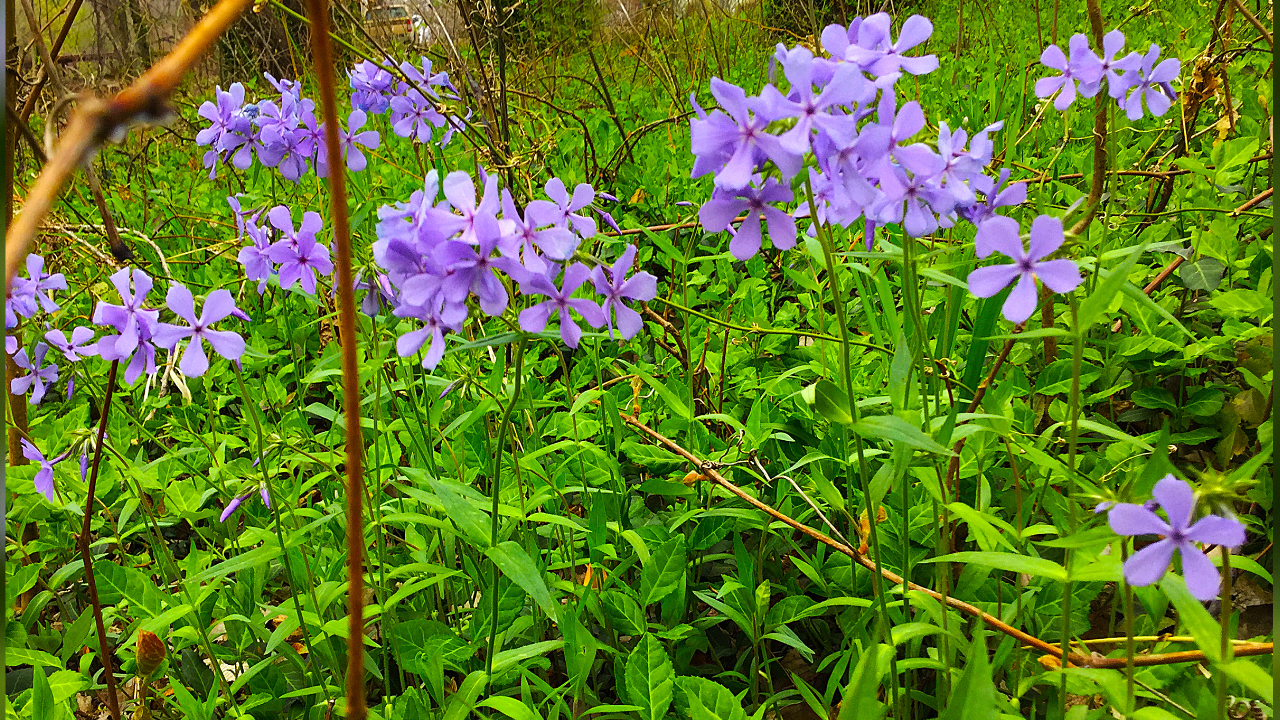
{"points": [[133, 322], [41, 283], [352, 140], [78, 347], [38, 374], [218, 305], [371, 84], [1001, 234], [732, 145], [44, 476], [433, 330], [299, 255], [471, 268], [534, 319], [414, 116], [460, 191], [1149, 564], [235, 502], [19, 300], [1010, 195], [229, 129], [1052, 57], [1152, 83], [561, 210], [378, 292], [811, 110], [615, 286], [718, 212], [1094, 70], [878, 53], [523, 235], [256, 257]]}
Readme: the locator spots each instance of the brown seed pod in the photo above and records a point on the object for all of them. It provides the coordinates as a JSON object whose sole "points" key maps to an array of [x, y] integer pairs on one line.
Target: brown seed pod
{"points": [[151, 652]]}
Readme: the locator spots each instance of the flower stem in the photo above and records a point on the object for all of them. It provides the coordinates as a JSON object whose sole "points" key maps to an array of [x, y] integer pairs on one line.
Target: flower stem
{"points": [[113, 702], [1224, 617], [494, 489]]}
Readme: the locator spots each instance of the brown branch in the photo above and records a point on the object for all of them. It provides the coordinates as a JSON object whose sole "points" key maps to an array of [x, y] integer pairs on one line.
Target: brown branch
{"points": [[1099, 180], [1253, 20], [113, 703], [1178, 260], [96, 120], [710, 472], [322, 48]]}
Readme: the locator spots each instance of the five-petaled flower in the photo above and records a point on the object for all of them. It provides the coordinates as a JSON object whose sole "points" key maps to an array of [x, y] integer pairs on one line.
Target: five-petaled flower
{"points": [[217, 306], [1001, 234], [1178, 534], [44, 476], [39, 376], [616, 287]]}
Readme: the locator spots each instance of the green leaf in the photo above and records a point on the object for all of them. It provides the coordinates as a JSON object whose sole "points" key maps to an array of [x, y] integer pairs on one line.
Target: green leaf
{"points": [[1203, 274], [1253, 677], [472, 521], [860, 701], [974, 696], [462, 702], [516, 564], [1242, 302], [510, 707], [831, 402], [662, 574], [1010, 562], [508, 659], [896, 430], [41, 695], [715, 699], [1094, 307], [118, 583], [657, 460], [1193, 616], [650, 678], [1056, 378], [623, 613]]}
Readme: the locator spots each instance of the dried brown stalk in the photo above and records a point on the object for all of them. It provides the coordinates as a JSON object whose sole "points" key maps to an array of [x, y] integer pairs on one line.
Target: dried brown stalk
{"points": [[322, 48]]}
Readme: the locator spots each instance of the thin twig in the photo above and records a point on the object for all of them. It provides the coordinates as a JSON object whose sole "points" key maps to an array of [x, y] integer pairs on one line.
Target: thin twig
{"points": [[708, 470], [113, 703], [1240, 7], [97, 120]]}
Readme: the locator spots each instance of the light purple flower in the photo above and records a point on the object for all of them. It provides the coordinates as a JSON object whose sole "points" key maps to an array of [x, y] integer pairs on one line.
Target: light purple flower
{"points": [[614, 285], [218, 305], [44, 476], [19, 300], [812, 111], [353, 140], [878, 53], [133, 322], [80, 345], [41, 284], [414, 116], [1093, 70], [371, 84], [236, 501], [524, 238], [1149, 564], [38, 376], [562, 209], [298, 253], [256, 256], [433, 330], [732, 142], [534, 319], [1052, 57], [229, 130], [1001, 234], [1152, 83], [996, 197], [471, 268], [719, 212]]}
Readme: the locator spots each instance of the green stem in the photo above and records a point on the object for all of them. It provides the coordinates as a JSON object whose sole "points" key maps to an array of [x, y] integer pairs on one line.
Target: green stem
{"points": [[846, 377], [1077, 359], [494, 489]]}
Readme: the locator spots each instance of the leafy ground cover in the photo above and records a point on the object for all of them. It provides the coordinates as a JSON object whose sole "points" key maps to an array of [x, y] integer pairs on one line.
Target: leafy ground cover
{"points": [[711, 369]]}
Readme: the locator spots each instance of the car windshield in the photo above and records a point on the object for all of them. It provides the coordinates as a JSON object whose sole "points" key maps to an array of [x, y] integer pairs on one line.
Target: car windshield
{"points": [[389, 13]]}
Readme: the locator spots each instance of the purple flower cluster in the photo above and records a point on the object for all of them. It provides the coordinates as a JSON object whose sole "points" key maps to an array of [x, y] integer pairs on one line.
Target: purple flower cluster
{"points": [[436, 254], [1130, 80], [840, 116], [138, 331], [1178, 534], [286, 134], [297, 257]]}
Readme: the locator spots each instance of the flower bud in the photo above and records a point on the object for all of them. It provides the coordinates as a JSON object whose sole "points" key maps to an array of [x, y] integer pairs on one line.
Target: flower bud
{"points": [[151, 652]]}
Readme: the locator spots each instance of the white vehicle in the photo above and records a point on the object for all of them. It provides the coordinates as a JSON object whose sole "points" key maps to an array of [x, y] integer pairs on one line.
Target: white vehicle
{"points": [[421, 31]]}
